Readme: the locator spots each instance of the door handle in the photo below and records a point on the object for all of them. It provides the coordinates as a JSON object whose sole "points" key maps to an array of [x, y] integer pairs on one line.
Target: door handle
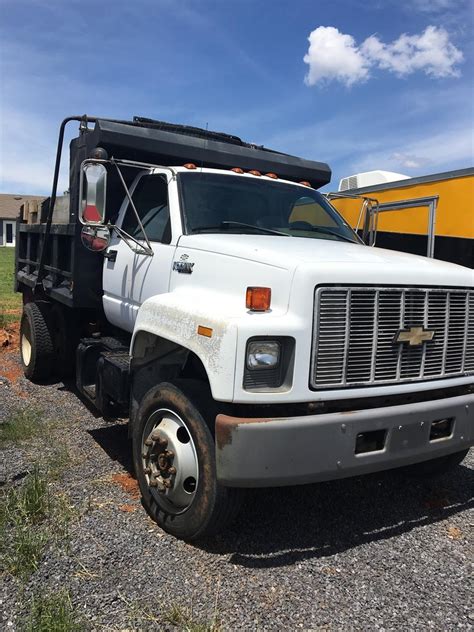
{"points": [[111, 255]]}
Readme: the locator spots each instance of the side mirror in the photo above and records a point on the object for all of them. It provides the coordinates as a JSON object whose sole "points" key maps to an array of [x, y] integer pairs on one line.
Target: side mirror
{"points": [[93, 192], [95, 238]]}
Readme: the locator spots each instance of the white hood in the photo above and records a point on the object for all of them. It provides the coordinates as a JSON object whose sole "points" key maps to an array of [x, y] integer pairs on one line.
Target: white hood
{"points": [[292, 252]]}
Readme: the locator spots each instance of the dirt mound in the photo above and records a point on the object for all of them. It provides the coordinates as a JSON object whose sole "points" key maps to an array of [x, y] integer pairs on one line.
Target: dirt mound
{"points": [[10, 367], [128, 484], [10, 337]]}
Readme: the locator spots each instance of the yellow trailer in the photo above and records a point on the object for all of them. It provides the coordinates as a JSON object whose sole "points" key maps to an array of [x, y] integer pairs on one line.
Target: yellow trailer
{"points": [[431, 215]]}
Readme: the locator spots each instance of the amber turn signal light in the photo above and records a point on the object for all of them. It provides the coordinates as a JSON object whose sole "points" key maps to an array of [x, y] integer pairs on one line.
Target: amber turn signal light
{"points": [[205, 331], [258, 299]]}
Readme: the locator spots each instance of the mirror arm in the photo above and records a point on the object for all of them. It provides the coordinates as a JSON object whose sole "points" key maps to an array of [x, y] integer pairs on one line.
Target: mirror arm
{"points": [[125, 236], [134, 209]]}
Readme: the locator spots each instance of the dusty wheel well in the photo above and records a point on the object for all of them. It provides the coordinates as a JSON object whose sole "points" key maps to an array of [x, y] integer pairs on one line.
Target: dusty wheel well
{"points": [[156, 359]]}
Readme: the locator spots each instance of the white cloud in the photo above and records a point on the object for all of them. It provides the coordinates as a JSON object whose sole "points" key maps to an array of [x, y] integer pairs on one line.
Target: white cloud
{"points": [[333, 55], [430, 51]]}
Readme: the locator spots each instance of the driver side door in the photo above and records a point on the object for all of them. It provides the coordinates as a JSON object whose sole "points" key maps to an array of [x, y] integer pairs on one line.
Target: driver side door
{"points": [[130, 276]]}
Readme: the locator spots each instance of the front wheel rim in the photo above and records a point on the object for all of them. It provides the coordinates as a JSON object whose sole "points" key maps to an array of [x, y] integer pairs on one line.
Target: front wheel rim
{"points": [[169, 461]]}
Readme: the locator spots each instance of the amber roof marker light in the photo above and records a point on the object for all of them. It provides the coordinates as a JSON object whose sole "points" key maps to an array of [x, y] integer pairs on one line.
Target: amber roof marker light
{"points": [[190, 165], [271, 175], [258, 299], [254, 172], [237, 170]]}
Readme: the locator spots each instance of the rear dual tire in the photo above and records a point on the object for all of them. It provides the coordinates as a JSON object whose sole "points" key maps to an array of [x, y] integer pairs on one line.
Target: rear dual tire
{"points": [[48, 341], [36, 341]]}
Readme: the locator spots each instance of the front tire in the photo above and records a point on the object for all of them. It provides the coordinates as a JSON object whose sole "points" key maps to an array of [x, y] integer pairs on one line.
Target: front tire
{"points": [[36, 343], [174, 459]]}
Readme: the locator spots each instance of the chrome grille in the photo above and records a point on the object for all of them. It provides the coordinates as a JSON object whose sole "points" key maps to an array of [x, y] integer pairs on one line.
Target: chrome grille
{"points": [[355, 329]]}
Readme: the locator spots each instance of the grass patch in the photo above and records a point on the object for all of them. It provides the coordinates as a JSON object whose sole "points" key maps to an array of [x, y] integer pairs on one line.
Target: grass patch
{"points": [[52, 612], [4, 320], [10, 301], [32, 516], [146, 615], [183, 619], [21, 426], [58, 460], [24, 425]]}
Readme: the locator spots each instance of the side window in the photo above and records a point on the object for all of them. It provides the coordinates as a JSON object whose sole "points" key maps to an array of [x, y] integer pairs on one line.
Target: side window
{"points": [[151, 201]]}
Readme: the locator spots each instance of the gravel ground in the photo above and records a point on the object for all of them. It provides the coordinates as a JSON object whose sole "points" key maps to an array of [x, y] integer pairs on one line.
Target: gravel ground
{"points": [[373, 552]]}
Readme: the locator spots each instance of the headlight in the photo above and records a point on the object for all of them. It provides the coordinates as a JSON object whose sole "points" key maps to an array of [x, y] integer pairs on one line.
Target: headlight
{"points": [[263, 355]]}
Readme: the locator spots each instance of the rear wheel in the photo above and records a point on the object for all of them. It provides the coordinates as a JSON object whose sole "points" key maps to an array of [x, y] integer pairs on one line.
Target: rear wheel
{"points": [[173, 451], [436, 467], [36, 343]]}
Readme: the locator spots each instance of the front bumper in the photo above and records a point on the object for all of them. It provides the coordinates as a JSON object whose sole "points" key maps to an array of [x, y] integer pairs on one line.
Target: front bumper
{"points": [[286, 451]]}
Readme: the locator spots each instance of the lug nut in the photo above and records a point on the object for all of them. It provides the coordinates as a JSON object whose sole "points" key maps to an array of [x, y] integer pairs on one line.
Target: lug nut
{"points": [[169, 454], [148, 441], [167, 483], [161, 487], [147, 470], [162, 462], [172, 470]]}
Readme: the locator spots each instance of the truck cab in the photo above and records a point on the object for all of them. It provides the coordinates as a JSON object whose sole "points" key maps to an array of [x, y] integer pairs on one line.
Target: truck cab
{"points": [[243, 327]]}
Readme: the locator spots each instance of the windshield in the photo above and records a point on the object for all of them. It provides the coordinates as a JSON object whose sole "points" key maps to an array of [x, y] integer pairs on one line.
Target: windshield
{"points": [[217, 203]]}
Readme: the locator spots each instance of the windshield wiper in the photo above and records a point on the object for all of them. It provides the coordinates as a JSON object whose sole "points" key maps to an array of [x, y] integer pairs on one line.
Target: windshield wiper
{"points": [[224, 224], [328, 231]]}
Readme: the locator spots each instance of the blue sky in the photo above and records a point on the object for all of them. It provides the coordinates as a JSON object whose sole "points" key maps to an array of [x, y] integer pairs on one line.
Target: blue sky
{"points": [[372, 99]]}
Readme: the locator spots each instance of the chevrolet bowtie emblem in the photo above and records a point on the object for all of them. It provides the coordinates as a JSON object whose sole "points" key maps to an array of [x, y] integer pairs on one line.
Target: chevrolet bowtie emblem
{"points": [[414, 336]]}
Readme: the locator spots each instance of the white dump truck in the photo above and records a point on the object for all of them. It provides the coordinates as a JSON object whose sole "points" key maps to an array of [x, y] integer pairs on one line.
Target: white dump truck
{"points": [[202, 287]]}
